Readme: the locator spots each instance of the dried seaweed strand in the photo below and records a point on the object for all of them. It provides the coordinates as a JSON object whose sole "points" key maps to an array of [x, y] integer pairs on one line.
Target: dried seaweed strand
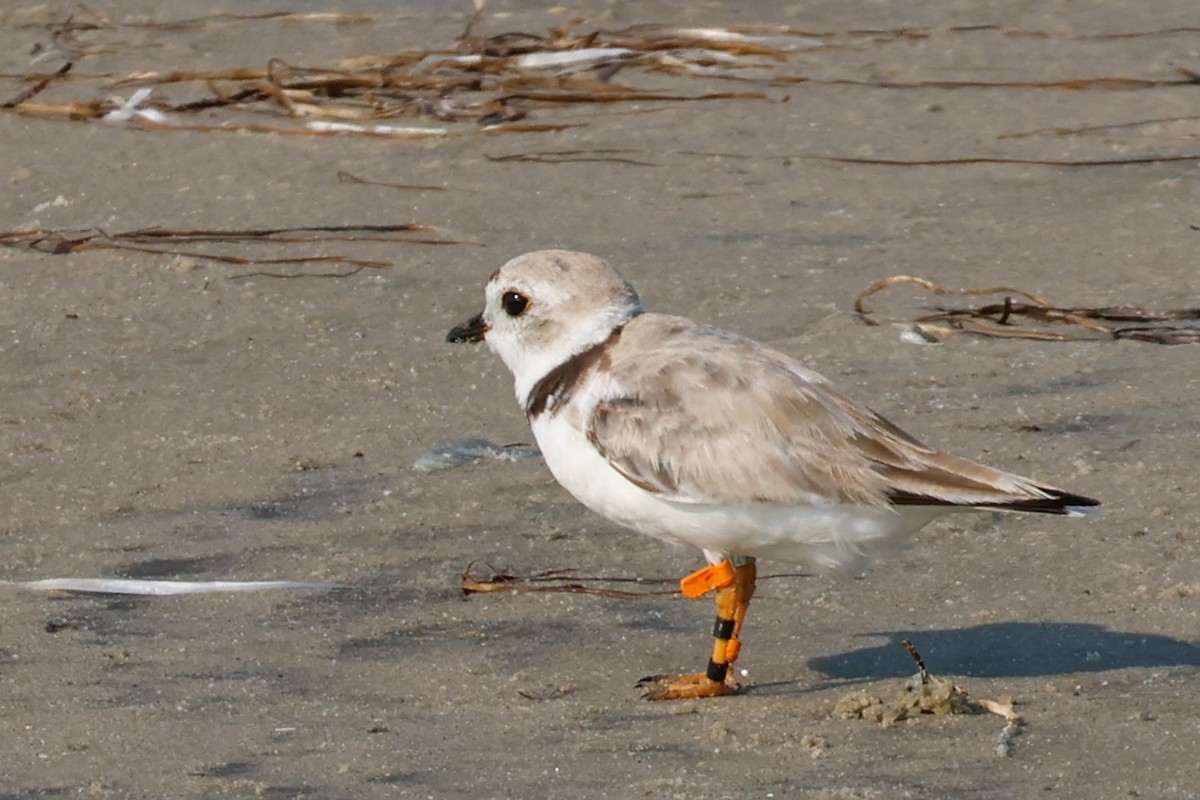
{"points": [[62, 242], [80, 247], [346, 177], [996, 320], [1096, 128], [572, 156], [565, 580], [552, 581], [281, 16], [936, 288], [1074, 84], [305, 239], [34, 236], [150, 78], [525, 128], [39, 86], [1139, 34], [941, 162], [259, 233], [88, 110], [261, 274], [623, 96]]}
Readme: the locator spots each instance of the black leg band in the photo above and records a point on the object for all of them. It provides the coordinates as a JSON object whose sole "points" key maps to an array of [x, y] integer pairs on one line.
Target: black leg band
{"points": [[723, 629], [716, 672]]}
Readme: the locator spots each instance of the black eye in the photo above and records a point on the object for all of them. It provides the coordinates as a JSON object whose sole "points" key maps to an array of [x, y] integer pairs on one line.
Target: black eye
{"points": [[514, 303]]}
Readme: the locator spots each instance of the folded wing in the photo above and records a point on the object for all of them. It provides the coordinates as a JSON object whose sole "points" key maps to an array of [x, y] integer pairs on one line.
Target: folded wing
{"points": [[699, 415]]}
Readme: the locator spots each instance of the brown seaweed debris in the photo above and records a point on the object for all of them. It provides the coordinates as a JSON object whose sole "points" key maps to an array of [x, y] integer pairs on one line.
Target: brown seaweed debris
{"points": [[169, 242], [484, 81], [1037, 318], [1031, 162], [598, 155], [346, 177], [557, 580]]}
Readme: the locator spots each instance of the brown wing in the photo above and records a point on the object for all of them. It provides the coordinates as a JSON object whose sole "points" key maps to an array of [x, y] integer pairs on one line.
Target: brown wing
{"points": [[699, 415]]}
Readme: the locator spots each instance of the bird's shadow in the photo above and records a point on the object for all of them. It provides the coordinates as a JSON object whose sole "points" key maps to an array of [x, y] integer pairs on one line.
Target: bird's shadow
{"points": [[1010, 650]]}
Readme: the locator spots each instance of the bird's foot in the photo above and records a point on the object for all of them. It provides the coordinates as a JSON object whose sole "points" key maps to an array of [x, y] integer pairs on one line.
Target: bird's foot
{"points": [[685, 687]]}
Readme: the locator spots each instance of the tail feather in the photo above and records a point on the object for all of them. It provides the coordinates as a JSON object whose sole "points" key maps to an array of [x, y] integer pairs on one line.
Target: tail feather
{"points": [[1053, 501]]}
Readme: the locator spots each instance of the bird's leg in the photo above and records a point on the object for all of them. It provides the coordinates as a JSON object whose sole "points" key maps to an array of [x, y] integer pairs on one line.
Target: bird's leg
{"points": [[745, 573], [734, 582]]}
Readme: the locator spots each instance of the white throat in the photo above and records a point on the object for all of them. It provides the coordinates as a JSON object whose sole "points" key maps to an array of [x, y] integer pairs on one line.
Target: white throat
{"points": [[530, 364]]}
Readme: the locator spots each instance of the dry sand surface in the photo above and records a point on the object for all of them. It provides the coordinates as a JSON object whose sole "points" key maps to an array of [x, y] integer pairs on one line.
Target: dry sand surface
{"points": [[176, 417]]}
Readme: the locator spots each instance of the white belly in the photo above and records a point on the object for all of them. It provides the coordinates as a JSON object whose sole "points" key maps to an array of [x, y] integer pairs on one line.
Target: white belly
{"points": [[824, 537]]}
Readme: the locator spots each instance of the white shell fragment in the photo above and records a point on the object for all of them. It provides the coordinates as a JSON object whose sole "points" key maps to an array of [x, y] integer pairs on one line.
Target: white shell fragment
{"points": [[160, 588], [571, 58]]}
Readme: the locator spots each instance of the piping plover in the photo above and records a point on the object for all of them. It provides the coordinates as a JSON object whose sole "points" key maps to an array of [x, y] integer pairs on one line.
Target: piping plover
{"points": [[691, 434]]}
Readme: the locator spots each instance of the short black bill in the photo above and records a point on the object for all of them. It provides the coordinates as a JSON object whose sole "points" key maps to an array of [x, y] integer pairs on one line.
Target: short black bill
{"points": [[471, 331]]}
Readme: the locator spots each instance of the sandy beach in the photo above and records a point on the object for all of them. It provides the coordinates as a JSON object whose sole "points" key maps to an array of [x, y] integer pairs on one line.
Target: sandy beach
{"points": [[222, 350]]}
